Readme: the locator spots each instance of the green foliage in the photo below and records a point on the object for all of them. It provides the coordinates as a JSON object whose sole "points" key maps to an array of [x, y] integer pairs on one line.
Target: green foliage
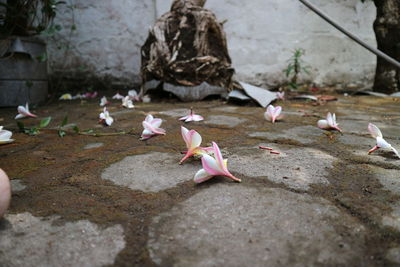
{"points": [[295, 67], [33, 130], [24, 17], [61, 132]]}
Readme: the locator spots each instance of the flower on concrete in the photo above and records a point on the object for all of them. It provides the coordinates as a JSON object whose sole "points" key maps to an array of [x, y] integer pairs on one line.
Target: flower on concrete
{"points": [[104, 101], [79, 96], [66, 97], [380, 142], [193, 142], [127, 102], [133, 95], [90, 95], [213, 166], [24, 112], [118, 96], [105, 117], [329, 123], [151, 127], [273, 113], [5, 136], [280, 95], [191, 117]]}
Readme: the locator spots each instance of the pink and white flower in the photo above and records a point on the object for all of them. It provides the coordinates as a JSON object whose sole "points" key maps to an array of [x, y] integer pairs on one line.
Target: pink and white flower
{"points": [[191, 117], [105, 117], [79, 96], [133, 95], [193, 141], [90, 95], [280, 95], [213, 166], [24, 112], [273, 113], [118, 96], [104, 101], [5, 136], [151, 127], [380, 142], [127, 102], [329, 123]]}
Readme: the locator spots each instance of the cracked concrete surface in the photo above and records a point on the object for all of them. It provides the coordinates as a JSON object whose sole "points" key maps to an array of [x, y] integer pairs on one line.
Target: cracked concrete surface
{"points": [[111, 199]]}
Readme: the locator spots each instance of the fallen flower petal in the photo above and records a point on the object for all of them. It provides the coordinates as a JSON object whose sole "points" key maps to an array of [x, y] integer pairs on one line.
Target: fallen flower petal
{"points": [[151, 127], [90, 95], [265, 147], [133, 95], [79, 96], [193, 141], [380, 142], [118, 96], [105, 117], [280, 95], [24, 112], [66, 97], [275, 152], [5, 136], [127, 102], [104, 101], [191, 117], [273, 113], [213, 166], [329, 123]]}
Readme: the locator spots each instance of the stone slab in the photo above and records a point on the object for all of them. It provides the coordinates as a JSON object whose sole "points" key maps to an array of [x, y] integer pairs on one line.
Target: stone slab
{"points": [[232, 225], [297, 168], [151, 172], [229, 121], [26, 240]]}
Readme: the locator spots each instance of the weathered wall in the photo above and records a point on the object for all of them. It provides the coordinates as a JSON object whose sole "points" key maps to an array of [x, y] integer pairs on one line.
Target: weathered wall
{"points": [[107, 39], [261, 37]]}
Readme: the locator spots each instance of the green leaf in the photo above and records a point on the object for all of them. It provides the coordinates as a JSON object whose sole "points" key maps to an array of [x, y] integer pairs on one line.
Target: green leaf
{"points": [[33, 131], [89, 131], [76, 129], [44, 122], [64, 122], [42, 57], [21, 126], [61, 133]]}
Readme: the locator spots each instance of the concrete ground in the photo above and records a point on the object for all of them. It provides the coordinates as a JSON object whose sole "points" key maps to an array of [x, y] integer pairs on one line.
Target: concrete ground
{"points": [[113, 200]]}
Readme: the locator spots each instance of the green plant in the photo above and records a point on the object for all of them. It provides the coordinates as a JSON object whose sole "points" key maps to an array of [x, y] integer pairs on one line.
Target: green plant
{"points": [[27, 17], [33, 130], [61, 132], [295, 66]]}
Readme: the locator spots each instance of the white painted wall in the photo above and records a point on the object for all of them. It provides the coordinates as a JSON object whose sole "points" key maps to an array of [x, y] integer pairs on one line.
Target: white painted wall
{"points": [[261, 36]]}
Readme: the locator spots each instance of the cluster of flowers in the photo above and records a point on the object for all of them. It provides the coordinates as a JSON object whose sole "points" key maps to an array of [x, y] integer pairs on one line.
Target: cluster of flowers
{"points": [[211, 157]]}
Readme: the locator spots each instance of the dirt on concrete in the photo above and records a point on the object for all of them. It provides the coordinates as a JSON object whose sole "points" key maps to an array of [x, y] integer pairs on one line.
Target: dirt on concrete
{"points": [[63, 176]]}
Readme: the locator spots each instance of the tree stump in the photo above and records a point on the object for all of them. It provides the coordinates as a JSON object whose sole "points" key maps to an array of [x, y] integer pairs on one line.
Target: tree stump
{"points": [[187, 47], [387, 31]]}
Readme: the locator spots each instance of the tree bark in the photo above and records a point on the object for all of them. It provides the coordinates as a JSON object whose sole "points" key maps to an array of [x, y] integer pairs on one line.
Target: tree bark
{"points": [[187, 46], [387, 31]]}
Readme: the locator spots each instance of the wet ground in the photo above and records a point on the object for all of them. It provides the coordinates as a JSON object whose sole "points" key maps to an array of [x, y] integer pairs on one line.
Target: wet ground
{"points": [[106, 198]]}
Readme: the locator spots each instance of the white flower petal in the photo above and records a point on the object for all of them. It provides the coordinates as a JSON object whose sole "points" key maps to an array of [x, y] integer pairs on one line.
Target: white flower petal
{"points": [[196, 140], [380, 142], [202, 176], [323, 124], [374, 131], [109, 120]]}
